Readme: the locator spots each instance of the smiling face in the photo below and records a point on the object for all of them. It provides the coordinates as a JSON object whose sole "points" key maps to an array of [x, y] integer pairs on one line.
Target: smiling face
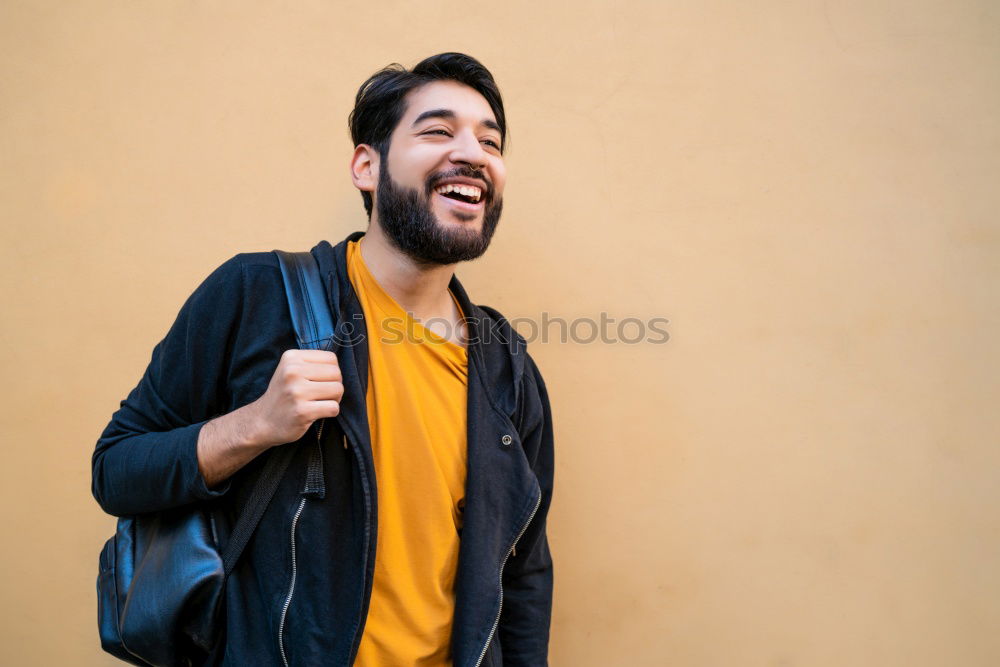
{"points": [[439, 193]]}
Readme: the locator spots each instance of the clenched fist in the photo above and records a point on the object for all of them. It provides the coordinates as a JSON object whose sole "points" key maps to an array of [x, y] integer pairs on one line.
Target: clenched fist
{"points": [[306, 386]]}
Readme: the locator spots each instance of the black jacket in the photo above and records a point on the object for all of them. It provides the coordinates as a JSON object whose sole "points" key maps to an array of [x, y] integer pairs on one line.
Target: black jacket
{"points": [[300, 594]]}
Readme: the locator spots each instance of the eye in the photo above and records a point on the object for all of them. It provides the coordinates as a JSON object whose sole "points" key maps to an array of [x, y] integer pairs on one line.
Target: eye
{"points": [[492, 143], [438, 131]]}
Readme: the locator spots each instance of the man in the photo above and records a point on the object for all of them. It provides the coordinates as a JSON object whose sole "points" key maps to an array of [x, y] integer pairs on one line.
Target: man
{"points": [[423, 540]]}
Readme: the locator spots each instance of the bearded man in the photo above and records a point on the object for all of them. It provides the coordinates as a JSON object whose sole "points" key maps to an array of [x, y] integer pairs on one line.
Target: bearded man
{"points": [[423, 541]]}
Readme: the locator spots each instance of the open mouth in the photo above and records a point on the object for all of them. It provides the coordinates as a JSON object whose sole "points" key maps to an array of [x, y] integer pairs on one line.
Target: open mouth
{"points": [[466, 194]]}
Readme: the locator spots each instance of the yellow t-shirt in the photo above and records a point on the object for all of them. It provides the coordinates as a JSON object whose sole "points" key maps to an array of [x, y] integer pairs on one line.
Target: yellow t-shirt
{"points": [[417, 388]]}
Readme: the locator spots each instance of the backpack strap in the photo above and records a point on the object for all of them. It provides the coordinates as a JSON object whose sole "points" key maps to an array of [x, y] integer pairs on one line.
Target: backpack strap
{"points": [[252, 512], [314, 330], [311, 315]]}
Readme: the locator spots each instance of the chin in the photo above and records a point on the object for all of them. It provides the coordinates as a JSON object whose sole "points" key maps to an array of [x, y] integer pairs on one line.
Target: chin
{"points": [[460, 221]]}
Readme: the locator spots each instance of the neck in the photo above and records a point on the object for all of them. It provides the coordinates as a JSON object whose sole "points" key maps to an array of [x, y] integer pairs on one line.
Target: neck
{"points": [[419, 289]]}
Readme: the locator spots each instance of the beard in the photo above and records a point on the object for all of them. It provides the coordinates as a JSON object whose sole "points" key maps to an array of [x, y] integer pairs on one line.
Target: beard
{"points": [[409, 223]]}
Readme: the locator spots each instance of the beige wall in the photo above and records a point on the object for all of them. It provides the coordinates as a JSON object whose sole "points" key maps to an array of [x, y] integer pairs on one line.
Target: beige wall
{"points": [[805, 474]]}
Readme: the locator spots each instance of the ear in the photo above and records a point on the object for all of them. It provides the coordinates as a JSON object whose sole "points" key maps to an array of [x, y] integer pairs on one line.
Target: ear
{"points": [[364, 167]]}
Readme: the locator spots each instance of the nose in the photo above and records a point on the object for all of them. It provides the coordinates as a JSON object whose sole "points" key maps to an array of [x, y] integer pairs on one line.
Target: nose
{"points": [[468, 150]]}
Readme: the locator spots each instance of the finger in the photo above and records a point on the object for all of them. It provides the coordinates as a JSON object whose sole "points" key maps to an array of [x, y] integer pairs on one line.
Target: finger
{"points": [[310, 356], [323, 409], [322, 373], [321, 391]]}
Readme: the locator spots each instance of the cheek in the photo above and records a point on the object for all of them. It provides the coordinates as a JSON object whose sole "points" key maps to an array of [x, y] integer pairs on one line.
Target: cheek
{"points": [[412, 163], [498, 188], [499, 179]]}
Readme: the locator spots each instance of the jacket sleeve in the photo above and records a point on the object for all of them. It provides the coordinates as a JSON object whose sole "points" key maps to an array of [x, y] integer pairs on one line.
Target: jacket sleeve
{"points": [[527, 577], [146, 458]]}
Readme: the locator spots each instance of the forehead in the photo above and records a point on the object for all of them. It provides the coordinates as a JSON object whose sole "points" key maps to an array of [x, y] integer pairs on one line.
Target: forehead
{"points": [[467, 104]]}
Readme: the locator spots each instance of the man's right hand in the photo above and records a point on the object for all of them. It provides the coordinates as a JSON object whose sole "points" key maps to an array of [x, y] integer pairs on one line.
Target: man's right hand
{"points": [[306, 386]]}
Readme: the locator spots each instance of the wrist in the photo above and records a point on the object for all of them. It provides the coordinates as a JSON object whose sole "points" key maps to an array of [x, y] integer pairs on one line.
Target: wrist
{"points": [[253, 432]]}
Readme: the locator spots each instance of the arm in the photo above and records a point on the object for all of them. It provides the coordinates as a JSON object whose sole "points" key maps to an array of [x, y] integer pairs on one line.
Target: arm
{"points": [[527, 578], [168, 445], [147, 457], [227, 443], [306, 386]]}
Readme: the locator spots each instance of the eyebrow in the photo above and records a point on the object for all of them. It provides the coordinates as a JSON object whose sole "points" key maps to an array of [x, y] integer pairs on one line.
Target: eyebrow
{"points": [[448, 114]]}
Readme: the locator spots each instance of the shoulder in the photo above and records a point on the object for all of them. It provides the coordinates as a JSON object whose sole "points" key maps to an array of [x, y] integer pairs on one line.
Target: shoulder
{"points": [[234, 270], [241, 275], [495, 329], [245, 291], [237, 322], [244, 264]]}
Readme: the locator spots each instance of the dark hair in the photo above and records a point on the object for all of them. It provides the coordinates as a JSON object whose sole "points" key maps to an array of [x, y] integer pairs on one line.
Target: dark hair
{"points": [[380, 103]]}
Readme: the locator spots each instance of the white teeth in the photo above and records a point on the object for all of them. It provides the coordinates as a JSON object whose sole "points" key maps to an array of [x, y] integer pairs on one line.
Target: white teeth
{"points": [[470, 191]]}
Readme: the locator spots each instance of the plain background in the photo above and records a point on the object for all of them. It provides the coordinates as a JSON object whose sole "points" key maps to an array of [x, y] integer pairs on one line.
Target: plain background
{"points": [[805, 474]]}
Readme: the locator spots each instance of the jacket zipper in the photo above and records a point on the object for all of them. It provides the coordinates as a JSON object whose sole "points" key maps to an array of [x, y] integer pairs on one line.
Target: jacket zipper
{"points": [[502, 565], [291, 586]]}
